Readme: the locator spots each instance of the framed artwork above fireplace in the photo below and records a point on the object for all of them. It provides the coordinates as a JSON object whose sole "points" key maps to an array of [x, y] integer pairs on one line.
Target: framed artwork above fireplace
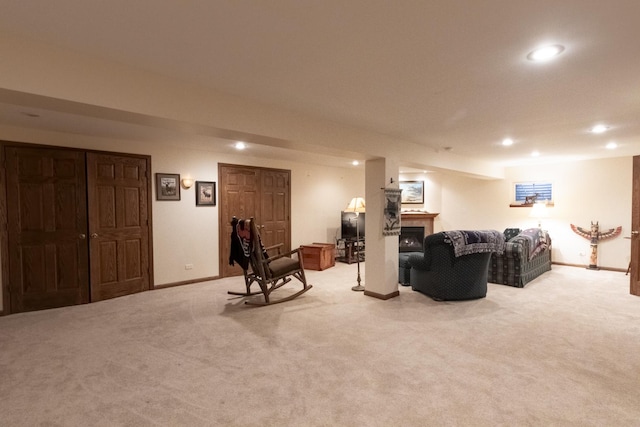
{"points": [[412, 192]]}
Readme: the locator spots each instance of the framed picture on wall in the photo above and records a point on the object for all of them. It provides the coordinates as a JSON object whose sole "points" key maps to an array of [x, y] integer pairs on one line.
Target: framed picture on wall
{"points": [[167, 186], [412, 192], [205, 193]]}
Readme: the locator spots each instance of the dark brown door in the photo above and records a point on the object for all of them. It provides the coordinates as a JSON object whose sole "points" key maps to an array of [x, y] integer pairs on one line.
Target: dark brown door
{"points": [[635, 229], [46, 228], [261, 193], [118, 225]]}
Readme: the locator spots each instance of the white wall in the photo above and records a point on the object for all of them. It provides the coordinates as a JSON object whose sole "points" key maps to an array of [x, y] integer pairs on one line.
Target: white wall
{"points": [[598, 190], [432, 191], [186, 234], [593, 190]]}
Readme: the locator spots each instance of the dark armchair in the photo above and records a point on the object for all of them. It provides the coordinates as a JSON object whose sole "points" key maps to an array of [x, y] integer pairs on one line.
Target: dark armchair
{"points": [[454, 265]]}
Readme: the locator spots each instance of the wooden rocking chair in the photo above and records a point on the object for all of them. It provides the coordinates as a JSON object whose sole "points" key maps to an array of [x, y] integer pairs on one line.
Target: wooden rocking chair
{"points": [[270, 272]]}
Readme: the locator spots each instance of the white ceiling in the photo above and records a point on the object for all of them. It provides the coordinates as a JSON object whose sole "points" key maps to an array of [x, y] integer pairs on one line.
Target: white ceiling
{"points": [[443, 73]]}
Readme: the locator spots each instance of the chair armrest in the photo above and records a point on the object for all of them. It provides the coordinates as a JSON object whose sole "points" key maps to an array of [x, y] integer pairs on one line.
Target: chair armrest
{"points": [[278, 246], [419, 262], [287, 254]]}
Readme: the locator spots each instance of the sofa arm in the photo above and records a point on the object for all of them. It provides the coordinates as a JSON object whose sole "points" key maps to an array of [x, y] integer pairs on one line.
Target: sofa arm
{"points": [[516, 249], [419, 262], [520, 247]]}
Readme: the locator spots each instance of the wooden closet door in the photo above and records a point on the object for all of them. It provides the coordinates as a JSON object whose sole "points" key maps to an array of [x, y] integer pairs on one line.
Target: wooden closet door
{"points": [[261, 193], [118, 225], [46, 228], [239, 189]]}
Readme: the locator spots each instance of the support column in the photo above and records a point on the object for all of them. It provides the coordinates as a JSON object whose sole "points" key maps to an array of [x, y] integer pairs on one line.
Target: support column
{"points": [[381, 266]]}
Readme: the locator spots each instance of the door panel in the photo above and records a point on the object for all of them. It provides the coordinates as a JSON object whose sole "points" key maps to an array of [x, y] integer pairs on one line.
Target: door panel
{"points": [[275, 208], [47, 226], [635, 227], [118, 225], [260, 193], [238, 194]]}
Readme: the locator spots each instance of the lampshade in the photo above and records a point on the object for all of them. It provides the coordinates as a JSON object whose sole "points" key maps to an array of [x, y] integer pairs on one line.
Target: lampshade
{"points": [[538, 210], [355, 205]]}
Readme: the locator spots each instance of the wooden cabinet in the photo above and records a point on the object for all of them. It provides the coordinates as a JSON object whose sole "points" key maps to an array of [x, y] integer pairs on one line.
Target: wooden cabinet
{"points": [[77, 226], [319, 256]]}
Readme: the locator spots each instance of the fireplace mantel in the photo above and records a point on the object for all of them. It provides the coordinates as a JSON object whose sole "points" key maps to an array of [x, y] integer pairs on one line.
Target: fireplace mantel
{"points": [[418, 219], [410, 216]]}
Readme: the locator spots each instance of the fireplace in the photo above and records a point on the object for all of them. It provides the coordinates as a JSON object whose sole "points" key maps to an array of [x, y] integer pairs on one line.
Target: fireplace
{"points": [[414, 227], [411, 239]]}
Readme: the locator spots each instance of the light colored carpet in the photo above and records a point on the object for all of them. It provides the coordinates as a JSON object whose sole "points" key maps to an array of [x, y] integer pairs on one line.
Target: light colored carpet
{"points": [[565, 350]]}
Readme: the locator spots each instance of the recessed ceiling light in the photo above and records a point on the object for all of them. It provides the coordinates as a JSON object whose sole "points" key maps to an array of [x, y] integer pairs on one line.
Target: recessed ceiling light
{"points": [[240, 145], [545, 53], [535, 154], [507, 142], [355, 163], [599, 128], [612, 145]]}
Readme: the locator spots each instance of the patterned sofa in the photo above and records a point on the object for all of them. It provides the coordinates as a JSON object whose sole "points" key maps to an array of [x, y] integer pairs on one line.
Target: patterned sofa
{"points": [[527, 255], [454, 264]]}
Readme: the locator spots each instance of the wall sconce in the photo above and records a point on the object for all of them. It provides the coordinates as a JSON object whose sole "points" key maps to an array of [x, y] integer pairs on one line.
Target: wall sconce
{"points": [[187, 183]]}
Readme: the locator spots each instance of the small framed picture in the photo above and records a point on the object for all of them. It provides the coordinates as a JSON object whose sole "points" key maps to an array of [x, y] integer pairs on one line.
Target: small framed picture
{"points": [[167, 186], [205, 193]]}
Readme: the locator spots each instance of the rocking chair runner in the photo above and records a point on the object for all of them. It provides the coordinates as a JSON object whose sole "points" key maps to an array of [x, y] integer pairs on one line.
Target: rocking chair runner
{"points": [[270, 273]]}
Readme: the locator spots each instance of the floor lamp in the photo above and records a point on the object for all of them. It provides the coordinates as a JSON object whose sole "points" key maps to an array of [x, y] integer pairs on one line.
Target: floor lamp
{"points": [[356, 205]]}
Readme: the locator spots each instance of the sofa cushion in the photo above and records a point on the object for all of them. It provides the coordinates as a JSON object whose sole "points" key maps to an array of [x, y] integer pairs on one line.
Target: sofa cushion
{"points": [[283, 265], [510, 233]]}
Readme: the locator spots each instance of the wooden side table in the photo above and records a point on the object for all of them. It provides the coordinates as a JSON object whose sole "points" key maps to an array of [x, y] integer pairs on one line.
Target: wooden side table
{"points": [[350, 250], [319, 256]]}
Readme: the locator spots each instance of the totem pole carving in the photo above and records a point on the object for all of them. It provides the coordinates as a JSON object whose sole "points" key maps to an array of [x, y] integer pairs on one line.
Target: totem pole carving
{"points": [[594, 236]]}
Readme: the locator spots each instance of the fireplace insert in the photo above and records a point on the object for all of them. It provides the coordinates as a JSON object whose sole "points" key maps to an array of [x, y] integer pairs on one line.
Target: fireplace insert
{"points": [[411, 239]]}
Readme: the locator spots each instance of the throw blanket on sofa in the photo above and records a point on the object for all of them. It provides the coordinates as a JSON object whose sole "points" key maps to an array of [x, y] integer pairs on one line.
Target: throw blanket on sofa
{"points": [[537, 240], [467, 242]]}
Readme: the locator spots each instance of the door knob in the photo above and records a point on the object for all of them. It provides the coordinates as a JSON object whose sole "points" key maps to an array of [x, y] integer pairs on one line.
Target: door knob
{"points": [[635, 232], [82, 236], [94, 235]]}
